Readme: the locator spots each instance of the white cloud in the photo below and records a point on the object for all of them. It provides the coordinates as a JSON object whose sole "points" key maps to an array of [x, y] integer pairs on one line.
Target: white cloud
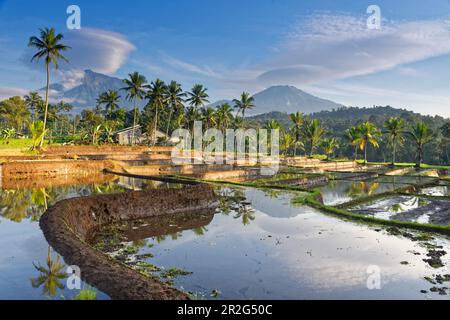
{"points": [[7, 92], [99, 50], [329, 47]]}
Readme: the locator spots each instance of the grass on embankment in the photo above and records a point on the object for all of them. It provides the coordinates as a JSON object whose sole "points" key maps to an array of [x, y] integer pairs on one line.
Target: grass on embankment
{"points": [[407, 164], [16, 145]]}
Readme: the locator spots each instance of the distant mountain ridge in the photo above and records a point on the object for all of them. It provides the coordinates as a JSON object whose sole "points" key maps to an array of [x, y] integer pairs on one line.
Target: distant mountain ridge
{"points": [[290, 99], [86, 93], [286, 99]]}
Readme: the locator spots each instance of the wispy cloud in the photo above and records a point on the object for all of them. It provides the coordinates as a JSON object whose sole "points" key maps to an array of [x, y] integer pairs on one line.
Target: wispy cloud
{"points": [[328, 47], [6, 92]]}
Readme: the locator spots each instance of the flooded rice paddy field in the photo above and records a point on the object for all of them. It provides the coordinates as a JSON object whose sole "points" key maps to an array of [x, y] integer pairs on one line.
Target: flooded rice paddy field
{"points": [[257, 245]]}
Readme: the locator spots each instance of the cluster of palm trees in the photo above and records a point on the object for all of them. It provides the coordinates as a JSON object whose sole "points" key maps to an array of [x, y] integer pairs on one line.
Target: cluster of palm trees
{"points": [[181, 108], [395, 131]]}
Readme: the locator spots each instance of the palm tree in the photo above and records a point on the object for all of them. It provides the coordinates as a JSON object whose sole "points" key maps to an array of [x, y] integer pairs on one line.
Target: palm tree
{"points": [[209, 117], [198, 96], [192, 115], [369, 135], [246, 102], [313, 132], [111, 100], [395, 127], [297, 119], [421, 135], [174, 99], [135, 87], [157, 99], [353, 135], [287, 141], [224, 116], [329, 146], [49, 47], [34, 102]]}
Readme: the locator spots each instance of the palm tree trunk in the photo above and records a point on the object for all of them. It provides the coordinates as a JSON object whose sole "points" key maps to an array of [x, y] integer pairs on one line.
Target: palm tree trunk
{"points": [[155, 125], [133, 139], [393, 153], [365, 153], [47, 88], [168, 122], [356, 152]]}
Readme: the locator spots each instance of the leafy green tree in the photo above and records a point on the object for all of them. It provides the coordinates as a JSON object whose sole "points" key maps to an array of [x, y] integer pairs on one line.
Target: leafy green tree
{"points": [[209, 117], [353, 136], [110, 99], [156, 94], [313, 133], [421, 135], [135, 87], [297, 120], [175, 99], [246, 102], [224, 116], [369, 135], [34, 103], [395, 130], [14, 113], [287, 141], [329, 145], [50, 48]]}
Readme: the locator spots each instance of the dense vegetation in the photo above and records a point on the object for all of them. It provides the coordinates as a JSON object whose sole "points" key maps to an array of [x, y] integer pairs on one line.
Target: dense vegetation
{"points": [[337, 123], [382, 134]]}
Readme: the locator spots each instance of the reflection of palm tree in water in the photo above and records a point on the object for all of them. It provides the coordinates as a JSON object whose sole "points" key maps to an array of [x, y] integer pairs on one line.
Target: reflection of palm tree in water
{"points": [[200, 231], [50, 276], [14, 204], [361, 188], [272, 193], [247, 213]]}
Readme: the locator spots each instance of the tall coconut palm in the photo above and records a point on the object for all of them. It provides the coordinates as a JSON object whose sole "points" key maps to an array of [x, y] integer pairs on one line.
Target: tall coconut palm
{"points": [[313, 133], [175, 98], [369, 135], [329, 146], [110, 99], [421, 135], [157, 94], [197, 96], [394, 130], [34, 103], [224, 116], [297, 120], [246, 102], [136, 87], [49, 48], [353, 136]]}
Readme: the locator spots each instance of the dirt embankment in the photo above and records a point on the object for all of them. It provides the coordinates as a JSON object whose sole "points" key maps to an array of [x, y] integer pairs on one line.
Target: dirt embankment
{"points": [[24, 169], [71, 224]]}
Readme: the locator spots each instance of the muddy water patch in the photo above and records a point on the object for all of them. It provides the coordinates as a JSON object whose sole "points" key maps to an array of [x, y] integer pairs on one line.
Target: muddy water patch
{"points": [[407, 208]]}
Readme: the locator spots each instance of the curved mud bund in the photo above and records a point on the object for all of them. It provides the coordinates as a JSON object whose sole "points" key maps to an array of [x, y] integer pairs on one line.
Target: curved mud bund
{"points": [[70, 225]]}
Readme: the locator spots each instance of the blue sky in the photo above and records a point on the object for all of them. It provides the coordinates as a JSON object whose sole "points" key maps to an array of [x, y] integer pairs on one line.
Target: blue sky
{"points": [[322, 47]]}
